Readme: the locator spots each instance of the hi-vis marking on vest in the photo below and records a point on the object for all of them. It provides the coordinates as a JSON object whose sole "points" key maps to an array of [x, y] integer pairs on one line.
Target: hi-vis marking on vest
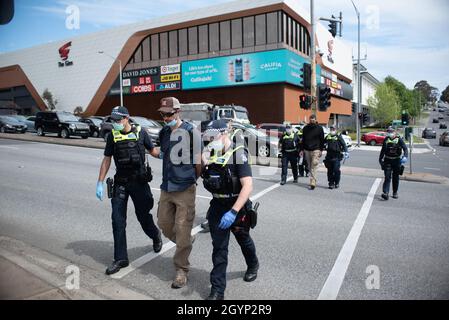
{"points": [[132, 136], [331, 137], [224, 159], [394, 141]]}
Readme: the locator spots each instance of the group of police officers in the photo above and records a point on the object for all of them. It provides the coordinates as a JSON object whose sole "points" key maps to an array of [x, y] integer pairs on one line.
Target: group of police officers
{"points": [[224, 166]]}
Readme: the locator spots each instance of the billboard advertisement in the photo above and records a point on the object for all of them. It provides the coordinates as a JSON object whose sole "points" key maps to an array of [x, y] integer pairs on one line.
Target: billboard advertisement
{"points": [[253, 68]]}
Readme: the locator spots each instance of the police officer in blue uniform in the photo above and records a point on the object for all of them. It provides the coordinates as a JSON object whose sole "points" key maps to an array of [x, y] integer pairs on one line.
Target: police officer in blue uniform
{"points": [[289, 145], [127, 145], [227, 175], [336, 150], [393, 155]]}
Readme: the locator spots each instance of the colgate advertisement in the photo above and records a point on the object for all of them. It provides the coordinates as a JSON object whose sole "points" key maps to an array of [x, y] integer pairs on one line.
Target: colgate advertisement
{"points": [[142, 89]]}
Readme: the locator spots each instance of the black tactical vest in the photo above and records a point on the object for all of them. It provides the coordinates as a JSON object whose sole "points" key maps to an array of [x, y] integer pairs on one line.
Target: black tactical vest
{"points": [[129, 152]]}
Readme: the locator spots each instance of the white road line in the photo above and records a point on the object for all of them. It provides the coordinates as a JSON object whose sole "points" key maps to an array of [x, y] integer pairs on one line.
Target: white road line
{"points": [[434, 169], [9, 147], [335, 279], [169, 245]]}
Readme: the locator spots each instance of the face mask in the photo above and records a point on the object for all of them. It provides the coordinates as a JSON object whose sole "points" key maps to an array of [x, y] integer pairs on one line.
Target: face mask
{"points": [[289, 131], [333, 133], [216, 145], [172, 123], [391, 135], [118, 126]]}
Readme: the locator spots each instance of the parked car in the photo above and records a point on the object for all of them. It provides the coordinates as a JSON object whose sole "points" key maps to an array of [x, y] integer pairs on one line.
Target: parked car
{"points": [[272, 129], [444, 139], [258, 143], [94, 125], [374, 138], [10, 124], [429, 133], [151, 126], [435, 120], [25, 120], [347, 140], [443, 125], [65, 124], [440, 117]]}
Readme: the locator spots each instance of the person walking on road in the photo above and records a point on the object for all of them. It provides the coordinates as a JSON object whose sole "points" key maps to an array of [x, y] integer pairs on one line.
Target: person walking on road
{"points": [[180, 152], [392, 157], [127, 145], [336, 150], [289, 145], [313, 145]]}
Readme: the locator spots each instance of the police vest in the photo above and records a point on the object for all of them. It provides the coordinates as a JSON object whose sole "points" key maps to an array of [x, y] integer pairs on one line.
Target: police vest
{"points": [[218, 178], [333, 144], [129, 151], [393, 150], [289, 142]]}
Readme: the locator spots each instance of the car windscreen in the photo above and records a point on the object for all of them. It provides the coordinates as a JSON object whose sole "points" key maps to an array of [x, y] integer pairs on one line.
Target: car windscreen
{"points": [[67, 117], [96, 121], [143, 122], [11, 120], [18, 117], [241, 115], [256, 133]]}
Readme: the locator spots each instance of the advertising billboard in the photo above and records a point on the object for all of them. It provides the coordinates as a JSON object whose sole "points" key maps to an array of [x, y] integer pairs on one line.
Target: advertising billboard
{"points": [[253, 68]]}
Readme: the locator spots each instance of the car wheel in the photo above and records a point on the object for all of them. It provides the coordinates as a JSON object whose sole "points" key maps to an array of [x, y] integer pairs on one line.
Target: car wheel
{"points": [[84, 137], [372, 143], [106, 135], [95, 134], [2, 130], [64, 133], [263, 151], [40, 132]]}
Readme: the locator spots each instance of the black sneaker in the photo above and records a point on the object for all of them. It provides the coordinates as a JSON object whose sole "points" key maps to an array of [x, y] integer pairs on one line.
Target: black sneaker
{"points": [[251, 273], [331, 186], [384, 196], [157, 243], [116, 266], [295, 180], [395, 196], [215, 296], [337, 186], [282, 182]]}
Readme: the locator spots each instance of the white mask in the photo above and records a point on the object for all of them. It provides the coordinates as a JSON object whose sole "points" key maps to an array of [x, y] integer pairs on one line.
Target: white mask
{"points": [[216, 145]]}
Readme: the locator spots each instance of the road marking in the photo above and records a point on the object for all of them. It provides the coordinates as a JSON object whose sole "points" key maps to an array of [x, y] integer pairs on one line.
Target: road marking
{"points": [[139, 262], [335, 279], [9, 147], [435, 169]]}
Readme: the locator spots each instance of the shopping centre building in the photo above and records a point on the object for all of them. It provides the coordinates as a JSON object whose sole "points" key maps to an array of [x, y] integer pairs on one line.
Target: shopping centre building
{"points": [[247, 52]]}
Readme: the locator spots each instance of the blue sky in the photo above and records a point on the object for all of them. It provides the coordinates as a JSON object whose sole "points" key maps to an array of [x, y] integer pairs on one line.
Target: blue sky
{"points": [[408, 39]]}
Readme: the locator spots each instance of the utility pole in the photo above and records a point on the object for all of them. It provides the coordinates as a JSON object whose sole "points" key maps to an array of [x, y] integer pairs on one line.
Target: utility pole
{"points": [[359, 85], [120, 70], [313, 57]]}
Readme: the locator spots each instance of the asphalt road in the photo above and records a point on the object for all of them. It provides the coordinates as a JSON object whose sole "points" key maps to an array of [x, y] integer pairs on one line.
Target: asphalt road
{"points": [[310, 244]]}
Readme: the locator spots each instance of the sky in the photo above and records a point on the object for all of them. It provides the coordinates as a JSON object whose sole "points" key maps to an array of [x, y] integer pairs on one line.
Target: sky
{"points": [[407, 39]]}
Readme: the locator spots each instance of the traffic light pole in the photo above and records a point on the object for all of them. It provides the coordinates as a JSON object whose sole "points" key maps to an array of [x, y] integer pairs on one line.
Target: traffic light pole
{"points": [[313, 57], [359, 84]]}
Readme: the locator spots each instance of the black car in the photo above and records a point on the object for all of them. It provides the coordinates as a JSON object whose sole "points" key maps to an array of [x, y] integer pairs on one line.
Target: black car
{"points": [[94, 125], [258, 143], [429, 133], [435, 120], [443, 125], [9, 124], [444, 139], [64, 124]]}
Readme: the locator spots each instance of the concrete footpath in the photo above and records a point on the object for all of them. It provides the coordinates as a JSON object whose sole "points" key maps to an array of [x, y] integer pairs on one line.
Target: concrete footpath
{"points": [[98, 143]]}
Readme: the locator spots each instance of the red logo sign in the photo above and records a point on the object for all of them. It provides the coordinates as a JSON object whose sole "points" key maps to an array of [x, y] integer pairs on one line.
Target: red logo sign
{"points": [[140, 89], [142, 80], [64, 51], [147, 80]]}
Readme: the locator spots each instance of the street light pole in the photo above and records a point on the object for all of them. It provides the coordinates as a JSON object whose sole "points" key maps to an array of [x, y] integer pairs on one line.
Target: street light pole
{"points": [[120, 67], [313, 56], [359, 85]]}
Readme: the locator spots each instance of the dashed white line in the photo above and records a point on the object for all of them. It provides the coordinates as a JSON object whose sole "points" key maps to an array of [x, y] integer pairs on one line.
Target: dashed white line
{"points": [[335, 279]]}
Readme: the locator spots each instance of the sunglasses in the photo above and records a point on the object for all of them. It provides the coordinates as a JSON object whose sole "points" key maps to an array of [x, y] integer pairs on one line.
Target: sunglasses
{"points": [[167, 114], [118, 121]]}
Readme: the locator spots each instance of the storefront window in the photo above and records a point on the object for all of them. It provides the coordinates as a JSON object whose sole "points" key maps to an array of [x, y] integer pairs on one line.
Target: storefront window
{"points": [[214, 38], [183, 44], [155, 47], [225, 35], [248, 32], [163, 42], [203, 39], [173, 43], [193, 40], [261, 30], [272, 27], [236, 33]]}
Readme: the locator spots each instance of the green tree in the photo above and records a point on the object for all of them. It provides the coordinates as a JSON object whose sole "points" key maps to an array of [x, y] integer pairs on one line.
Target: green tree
{"points": [[49, 100], [429, 93], [445, 95], [384, 105]]}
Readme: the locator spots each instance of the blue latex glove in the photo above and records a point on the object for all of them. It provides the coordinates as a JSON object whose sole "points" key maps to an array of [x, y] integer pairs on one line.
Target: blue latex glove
{"points": [[404, 160], [100, 190], [227, 220]]}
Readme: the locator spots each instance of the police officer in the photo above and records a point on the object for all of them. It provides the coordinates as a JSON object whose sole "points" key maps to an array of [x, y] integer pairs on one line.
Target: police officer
{"points": [[227, 175], [390, 160], [127, 144], [289, 145], [303, 167], [336, 150]]}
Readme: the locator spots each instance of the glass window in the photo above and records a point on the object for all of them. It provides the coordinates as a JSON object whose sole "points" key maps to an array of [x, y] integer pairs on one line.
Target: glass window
{"points": [[138, 54], [193, 40], [163, 43], [203, 39], [214, 44], [248, 32], [173, 43], [293, 34], [182, 34], [298, 37], [303, 33], [285, 32], [272, 27], [236, 32], [261, 30], [146, 49], [225, 35], [154, 47]]}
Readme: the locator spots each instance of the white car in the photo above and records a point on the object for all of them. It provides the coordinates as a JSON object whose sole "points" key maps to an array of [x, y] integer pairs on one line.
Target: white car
{"points": [[348, 140]]}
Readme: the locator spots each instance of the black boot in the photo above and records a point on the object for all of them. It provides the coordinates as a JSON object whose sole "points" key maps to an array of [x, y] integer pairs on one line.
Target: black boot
{"points": [[116, 266], [157, 243], [385, 196], [283, 180], [215, 296], [251, 273]]}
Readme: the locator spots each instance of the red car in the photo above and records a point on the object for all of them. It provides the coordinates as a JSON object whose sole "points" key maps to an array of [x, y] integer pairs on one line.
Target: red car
{"points": [[374, 138]]}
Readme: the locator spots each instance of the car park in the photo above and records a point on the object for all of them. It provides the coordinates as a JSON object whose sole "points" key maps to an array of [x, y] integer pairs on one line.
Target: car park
{"points": [[11, 125], [429, 133], [443, 125], [444, 139], [25, 120], [374, 138], [64, 124]]}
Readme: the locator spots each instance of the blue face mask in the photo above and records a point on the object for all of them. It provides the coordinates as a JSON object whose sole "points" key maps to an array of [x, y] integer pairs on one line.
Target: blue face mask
{"points": [[118, 126], [172, 123]]}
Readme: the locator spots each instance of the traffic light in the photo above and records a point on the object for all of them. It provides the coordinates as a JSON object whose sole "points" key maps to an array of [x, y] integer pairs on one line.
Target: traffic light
{"points": [[305, 102], [365, 118], [306, 76], [405, 119], [333, 27], [324, 97], [353, 108]]}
